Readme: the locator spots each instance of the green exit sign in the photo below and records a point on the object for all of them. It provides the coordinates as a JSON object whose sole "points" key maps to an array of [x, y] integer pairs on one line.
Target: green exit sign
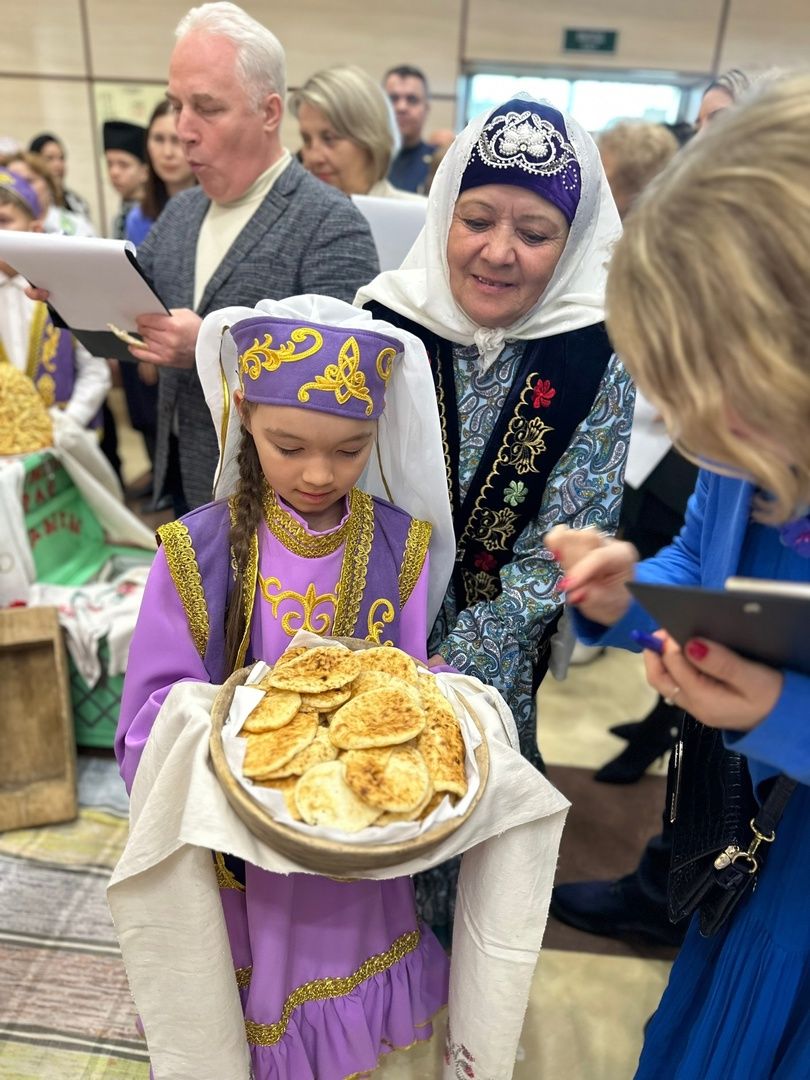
{"points": [[599, 41]]}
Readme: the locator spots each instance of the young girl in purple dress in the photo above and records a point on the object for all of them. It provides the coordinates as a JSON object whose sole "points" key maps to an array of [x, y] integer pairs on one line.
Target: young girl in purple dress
{"points": [[332, 974]]}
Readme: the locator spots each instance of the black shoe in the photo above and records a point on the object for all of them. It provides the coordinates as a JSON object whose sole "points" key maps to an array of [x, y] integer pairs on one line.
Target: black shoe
{"points": [[648, 740], [615, 909], [631, 764], [626, 731]]}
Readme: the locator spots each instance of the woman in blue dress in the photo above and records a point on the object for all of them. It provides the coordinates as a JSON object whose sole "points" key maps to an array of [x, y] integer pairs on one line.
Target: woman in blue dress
{"points": [[707, 305]]}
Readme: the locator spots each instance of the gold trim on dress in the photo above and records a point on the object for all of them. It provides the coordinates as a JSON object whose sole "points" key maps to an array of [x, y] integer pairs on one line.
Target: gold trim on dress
{"points": [[416, 547], [323, 989], [226, 880], [185, 572], [375, 627], [352, 583], [295, 538], [248, 584], [304, 618], [243, 977]]}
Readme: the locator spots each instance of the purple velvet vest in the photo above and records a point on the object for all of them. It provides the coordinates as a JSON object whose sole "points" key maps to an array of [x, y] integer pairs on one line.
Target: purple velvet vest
{"points": [[392, 551]]}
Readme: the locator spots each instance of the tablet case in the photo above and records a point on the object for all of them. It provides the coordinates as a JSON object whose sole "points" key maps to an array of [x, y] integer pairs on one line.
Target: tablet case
{"points": [[774, 630]]}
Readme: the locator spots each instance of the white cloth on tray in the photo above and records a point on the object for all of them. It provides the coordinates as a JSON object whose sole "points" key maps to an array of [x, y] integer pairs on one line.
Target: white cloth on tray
{"points": [[165, 901]]}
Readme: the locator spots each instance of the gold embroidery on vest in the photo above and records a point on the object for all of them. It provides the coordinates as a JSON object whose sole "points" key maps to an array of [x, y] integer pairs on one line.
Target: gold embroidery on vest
{"points": [[323, 989], [481, 584], [225, 879], [375, 627], [248, 585], [440, 402], [262, 357], [305, 618], [185, 572], [510, 453], [344, 379], [353, 573], [295, 537], [243, 977], [416, 546]]}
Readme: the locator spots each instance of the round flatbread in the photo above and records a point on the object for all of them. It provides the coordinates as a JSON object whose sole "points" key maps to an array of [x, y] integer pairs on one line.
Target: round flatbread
{"points": [[266, 753], [394, 778], [376, 718], [324, 798], [286, 785], [413, 815], [328, 700], [316, 670], [319, 750], [275, 709], [442, 745], [390, 661], [290, 654], [380, 680]]}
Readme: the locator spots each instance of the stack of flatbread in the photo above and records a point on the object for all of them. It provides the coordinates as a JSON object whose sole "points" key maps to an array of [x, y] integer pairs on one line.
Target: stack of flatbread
{"points": [[353, 739]]}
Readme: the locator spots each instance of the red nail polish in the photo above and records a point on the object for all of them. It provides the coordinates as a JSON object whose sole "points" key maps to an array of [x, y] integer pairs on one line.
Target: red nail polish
{"points": [[565, 583], [696, 650]]}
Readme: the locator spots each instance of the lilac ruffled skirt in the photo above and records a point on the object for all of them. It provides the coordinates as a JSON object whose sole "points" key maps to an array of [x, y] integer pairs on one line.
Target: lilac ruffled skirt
{"points": [[333, 975]]}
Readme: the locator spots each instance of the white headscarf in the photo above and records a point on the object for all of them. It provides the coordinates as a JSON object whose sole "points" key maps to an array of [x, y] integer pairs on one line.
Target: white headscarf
{"points": [[407, 466], [420, 289]]}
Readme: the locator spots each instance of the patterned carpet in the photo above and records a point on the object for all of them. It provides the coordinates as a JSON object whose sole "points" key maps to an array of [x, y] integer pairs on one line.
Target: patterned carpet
{"points": [[66, 1011]]}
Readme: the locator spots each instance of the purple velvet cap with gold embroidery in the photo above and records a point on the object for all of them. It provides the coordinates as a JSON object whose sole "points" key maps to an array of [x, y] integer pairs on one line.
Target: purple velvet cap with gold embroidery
{"points": [[526, 144], [332, 369], [21, 191]]}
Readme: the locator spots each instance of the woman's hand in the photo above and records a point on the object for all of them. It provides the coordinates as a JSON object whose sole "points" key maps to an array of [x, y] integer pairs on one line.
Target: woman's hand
{"points": [[596, 569], [714, 684]]}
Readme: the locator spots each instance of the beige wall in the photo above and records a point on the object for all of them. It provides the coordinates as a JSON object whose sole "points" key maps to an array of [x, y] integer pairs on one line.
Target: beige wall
{"points": [[74, 63]]}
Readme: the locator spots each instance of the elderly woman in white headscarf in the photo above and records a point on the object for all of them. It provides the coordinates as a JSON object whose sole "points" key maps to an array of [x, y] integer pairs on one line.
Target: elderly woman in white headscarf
{"points": [[505, 287]]}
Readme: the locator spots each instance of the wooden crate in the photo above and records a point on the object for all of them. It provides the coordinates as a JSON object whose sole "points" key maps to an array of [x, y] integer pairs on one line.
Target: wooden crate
{"points": [[38, 759]]}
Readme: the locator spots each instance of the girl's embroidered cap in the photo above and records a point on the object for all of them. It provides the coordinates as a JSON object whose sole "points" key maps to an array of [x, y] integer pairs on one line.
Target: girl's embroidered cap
{"points": [[331, 369], [525, 143], [21, 191]]}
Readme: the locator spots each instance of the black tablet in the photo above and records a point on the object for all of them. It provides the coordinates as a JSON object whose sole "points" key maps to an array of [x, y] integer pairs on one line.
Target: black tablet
{"points": [[771, 626]]}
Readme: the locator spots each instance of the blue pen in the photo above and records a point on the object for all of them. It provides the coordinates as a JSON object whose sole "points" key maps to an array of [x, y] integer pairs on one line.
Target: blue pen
{"points": [[647, 641]]}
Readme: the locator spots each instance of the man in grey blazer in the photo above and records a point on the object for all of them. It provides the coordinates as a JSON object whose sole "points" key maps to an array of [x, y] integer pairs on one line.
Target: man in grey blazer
{"points": [[257, 226]]}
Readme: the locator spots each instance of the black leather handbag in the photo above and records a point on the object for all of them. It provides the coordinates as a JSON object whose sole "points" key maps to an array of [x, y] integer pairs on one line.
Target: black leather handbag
{"points": [[720, 834]]}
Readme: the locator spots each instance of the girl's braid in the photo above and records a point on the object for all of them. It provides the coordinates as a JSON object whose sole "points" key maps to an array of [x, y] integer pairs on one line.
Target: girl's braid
{"points": [[249, 500]]}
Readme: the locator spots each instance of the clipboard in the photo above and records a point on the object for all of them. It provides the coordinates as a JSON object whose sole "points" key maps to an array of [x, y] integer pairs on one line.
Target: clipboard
{"points": [[94, 283], [771, 627]]}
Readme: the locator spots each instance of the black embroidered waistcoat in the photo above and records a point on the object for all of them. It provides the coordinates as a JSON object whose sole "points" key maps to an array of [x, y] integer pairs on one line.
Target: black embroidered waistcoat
{"points": [[552, 393]]}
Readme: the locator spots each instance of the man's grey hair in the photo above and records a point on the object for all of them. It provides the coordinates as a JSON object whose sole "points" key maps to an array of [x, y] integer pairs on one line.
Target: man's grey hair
{"points": [[260, 58]]}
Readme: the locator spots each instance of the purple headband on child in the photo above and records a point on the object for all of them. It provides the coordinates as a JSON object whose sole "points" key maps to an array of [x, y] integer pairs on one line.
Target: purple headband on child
{"points": [[332, 369], [22, 191], [526, 144]]}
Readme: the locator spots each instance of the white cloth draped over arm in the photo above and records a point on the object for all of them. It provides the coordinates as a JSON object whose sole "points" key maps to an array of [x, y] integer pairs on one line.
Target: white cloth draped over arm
{"points": [[165, 901]]}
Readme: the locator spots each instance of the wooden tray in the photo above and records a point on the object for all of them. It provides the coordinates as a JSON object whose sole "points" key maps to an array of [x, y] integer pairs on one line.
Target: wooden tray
{"points": [[329, 857]]}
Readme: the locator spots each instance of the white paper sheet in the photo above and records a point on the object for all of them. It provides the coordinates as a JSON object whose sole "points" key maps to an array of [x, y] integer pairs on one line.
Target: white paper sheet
{"points": [[92, 281]]}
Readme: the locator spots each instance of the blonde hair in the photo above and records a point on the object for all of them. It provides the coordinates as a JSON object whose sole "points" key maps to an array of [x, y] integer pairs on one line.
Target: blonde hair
{"points": [[637, 151], [707, 295], [355, 107]]}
